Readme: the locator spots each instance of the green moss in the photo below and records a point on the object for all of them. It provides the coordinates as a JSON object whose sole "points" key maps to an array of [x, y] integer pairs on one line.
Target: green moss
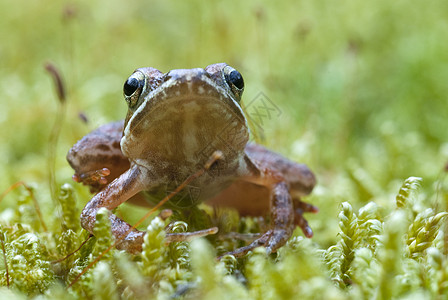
{"points": [[360, 89]]}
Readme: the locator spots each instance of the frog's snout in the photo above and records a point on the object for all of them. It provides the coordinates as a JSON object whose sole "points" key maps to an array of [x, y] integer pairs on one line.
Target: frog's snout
{"points": [[183, 75]]}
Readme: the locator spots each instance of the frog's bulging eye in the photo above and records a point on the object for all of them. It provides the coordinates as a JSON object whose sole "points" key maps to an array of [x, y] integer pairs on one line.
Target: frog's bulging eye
{"points": [[130, 86], [235, 78], [133, 88]]}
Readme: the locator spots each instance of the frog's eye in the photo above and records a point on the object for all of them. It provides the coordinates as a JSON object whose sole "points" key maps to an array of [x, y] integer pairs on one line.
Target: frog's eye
{"points": [[133, 86], [233, 78], [130, 86], [135, 81]]}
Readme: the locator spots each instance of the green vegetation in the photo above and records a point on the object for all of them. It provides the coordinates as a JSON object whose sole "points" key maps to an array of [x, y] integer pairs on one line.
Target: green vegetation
{"points": [[360, 91]]}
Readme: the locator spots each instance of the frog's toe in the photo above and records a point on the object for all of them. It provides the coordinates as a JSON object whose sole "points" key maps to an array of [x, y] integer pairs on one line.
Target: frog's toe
{"points": [[261, 241], [300, 221], [300, 208], [304, 207]]}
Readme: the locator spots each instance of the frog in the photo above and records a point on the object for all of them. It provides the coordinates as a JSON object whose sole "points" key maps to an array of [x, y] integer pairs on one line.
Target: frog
{"points": [[175, 122]]}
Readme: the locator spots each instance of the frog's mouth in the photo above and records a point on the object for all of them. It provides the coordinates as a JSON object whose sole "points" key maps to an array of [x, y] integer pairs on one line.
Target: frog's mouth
{"points": [[186, 119]]}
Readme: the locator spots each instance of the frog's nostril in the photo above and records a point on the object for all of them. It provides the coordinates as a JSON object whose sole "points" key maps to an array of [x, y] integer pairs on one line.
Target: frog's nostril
{"points": [[167, 77]]}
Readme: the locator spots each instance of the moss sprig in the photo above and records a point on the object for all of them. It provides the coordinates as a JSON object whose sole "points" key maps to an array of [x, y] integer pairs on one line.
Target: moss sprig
{"points": [[26, 210], [438, 273], [70, 215], [333, 258], [357, 231], [350, 236], [154, 255], [257, 269], [370, 226], [390, 255], [105, 284], [409, 186], [365, 272], [103, 234], [102, 239], [29, 267], [179, 251], [131, 283], [423, 231], [211, 279]]}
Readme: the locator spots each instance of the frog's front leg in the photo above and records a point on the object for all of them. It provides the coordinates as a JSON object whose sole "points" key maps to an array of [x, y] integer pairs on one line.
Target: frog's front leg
{"points": [[133, 181], [117, 192], [282, 218]]}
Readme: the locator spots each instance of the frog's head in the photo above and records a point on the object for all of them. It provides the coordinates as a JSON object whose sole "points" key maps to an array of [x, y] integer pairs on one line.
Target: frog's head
{"points": [[183, 116]]}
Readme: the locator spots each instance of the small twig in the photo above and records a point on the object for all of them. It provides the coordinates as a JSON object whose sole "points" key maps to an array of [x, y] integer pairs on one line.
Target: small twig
{"points": [[36, 204], [247, 237], [189, 236], [57, 79], [55, 131], [215, 156], [12, 187], [70, 254]]}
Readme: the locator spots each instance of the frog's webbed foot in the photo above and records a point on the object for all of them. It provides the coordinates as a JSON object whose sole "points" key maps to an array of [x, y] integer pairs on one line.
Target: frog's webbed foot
{"points": [[282, 222], [300, 208], [96, 179], [272, 240], [98, 155]]}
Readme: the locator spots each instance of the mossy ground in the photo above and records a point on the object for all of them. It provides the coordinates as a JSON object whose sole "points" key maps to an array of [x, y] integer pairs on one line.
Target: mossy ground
{"points": [[360, 95]]}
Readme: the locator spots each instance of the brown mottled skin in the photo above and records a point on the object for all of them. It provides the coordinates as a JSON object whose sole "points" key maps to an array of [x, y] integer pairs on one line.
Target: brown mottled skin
{"points": [[174, 123]]}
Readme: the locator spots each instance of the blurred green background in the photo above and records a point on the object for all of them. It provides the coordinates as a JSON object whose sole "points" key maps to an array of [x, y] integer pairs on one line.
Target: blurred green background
{"points": [[361, 85]]}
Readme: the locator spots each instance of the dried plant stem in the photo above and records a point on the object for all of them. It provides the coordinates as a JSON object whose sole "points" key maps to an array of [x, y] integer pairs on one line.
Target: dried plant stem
{"points": [[70, 254], [55, 131]]}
